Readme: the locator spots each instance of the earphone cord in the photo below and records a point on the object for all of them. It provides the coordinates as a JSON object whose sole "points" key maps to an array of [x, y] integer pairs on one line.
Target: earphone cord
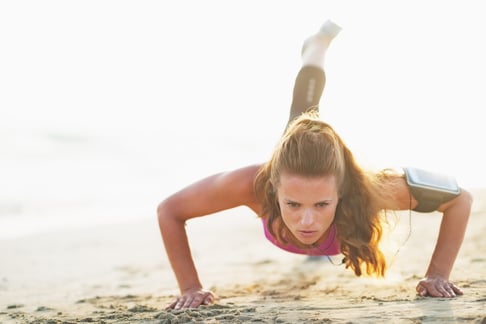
{"points": [[409, 226]]}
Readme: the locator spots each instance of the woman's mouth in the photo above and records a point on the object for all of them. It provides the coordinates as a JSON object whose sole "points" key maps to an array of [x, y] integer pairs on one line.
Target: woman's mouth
{"points": [[307, 233]]}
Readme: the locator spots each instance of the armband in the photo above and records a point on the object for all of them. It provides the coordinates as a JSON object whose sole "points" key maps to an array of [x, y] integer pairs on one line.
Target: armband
{"points": [[430, 189]]}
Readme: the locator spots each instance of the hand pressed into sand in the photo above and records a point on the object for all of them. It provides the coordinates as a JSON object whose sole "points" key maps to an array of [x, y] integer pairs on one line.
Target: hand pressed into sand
{"points": [[437, 286], [193, 298]]}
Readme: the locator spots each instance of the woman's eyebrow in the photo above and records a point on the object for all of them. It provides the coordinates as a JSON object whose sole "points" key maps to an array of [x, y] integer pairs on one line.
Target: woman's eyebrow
{"points": [[318, 201]]}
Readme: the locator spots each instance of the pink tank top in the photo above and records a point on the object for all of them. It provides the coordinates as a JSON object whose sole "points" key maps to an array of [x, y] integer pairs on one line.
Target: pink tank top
{"points": [[329, 247]]}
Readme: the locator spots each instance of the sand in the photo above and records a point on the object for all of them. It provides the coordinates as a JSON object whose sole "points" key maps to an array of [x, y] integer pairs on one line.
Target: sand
{"points": [[120, 274]]}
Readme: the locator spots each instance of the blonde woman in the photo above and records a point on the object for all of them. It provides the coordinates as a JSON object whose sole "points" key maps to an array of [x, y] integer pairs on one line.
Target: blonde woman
{"points": [[313, 198]]}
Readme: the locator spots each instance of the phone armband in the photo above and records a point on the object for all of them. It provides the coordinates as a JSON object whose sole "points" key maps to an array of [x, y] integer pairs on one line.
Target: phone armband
{"points": [[430, 189]]}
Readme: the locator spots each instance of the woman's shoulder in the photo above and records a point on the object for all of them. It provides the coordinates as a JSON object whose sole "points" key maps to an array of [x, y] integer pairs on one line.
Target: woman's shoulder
{"points": [[244, 175], [390, 173], [243, 179], [393, 188]]}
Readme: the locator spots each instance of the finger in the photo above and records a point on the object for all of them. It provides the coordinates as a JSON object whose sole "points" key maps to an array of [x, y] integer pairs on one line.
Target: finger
{"points": [[456, 289], [446, 290], [208, 300], [193, 301], [180, 303], [171, 305], [197, 301], [434, 291], [421, 290], [187, 303], [451, 290]]}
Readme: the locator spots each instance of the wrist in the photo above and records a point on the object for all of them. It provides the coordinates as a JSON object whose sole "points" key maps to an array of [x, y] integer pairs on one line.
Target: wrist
{"points": [[437, 274], [189, 288], [438, 268]]}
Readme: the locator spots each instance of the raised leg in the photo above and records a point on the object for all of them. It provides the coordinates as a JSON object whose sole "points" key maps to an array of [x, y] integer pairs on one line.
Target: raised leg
{"points": [[310, 81]]}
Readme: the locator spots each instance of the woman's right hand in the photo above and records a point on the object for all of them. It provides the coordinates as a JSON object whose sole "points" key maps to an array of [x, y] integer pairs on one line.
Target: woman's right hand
{"points": [[213, 194], [193, 298]]}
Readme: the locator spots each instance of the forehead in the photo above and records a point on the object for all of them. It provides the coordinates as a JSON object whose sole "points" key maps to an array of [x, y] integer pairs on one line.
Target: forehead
{"points": [[297, 185]]}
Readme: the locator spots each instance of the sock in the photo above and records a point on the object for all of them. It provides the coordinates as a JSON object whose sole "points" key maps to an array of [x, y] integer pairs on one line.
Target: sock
{"points": [[315, 47]]}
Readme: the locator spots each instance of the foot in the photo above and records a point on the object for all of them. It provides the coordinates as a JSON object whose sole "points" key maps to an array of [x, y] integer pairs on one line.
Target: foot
{"points": [[329, 29], [323, 37]]}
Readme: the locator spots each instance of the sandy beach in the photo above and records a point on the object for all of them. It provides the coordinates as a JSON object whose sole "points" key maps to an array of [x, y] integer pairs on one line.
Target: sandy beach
{"points": [[109, 106], [120, 274]]}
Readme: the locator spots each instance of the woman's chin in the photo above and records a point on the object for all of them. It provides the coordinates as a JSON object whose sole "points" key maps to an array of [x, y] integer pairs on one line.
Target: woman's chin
{"points": [[307, 238]]}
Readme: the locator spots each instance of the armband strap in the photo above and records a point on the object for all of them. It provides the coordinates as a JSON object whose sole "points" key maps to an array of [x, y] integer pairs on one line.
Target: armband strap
{"points": [[430, 190], [426, 201]]}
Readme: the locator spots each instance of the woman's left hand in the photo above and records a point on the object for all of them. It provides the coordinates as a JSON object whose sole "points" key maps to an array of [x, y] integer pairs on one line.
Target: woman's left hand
{"points": [[437, 286]]}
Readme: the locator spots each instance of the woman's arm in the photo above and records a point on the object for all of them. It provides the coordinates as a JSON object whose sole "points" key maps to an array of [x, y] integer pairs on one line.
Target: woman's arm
{"points": [[210, 195], [452, 229], [451, 234]]}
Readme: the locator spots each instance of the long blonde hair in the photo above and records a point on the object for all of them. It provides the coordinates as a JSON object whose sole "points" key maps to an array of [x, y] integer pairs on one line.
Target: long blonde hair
{"points": [[311, 147]]}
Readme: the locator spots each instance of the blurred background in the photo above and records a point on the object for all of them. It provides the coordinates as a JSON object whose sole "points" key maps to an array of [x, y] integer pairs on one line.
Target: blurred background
{"points": [[107, 107]]}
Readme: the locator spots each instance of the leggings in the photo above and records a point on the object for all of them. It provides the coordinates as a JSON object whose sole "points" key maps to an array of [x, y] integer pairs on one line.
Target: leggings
{"points": [[308, 88]]}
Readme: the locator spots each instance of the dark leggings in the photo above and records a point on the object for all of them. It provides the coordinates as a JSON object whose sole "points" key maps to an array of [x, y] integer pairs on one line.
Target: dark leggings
{"points": [[308, 88]]}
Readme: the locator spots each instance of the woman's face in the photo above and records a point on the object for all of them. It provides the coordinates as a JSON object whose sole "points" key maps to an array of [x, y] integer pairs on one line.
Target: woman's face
{"points": [[308, 205]]}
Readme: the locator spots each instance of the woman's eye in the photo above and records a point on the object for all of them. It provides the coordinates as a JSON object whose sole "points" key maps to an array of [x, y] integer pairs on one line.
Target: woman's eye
{"points": [[293, 204], [322, 204]]}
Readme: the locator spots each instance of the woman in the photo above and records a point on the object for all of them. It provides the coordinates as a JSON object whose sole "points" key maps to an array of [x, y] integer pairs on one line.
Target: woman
{"points": [[313, 198]]}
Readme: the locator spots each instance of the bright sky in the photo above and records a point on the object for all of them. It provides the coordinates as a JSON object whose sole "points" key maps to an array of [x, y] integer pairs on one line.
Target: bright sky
{"points": [[405, 79]]}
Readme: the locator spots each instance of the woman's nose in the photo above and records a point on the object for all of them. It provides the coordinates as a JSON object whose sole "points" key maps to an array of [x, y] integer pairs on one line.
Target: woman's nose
{"points": [[307, 217]]}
